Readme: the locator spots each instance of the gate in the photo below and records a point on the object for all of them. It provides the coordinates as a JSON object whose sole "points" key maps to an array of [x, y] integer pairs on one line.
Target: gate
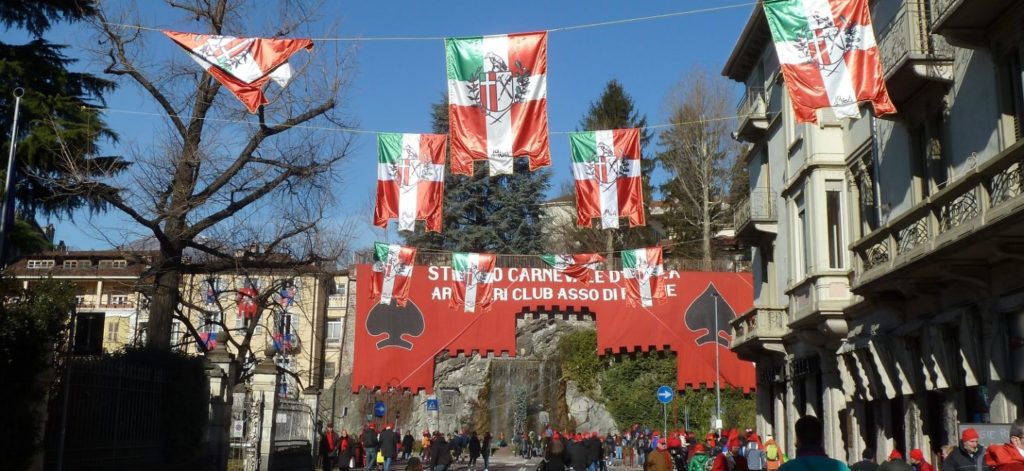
{"points": [[292, 446], [246, 432]]}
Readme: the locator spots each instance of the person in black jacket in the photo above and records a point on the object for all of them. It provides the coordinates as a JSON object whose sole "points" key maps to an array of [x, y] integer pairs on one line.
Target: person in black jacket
{"points": [[556, 456], [370, 444], [388, 444], [474, 450], [485, 450], [579, 454], [440, 457], [969, 456], [594, 453], [407, 442], [867, 463]]}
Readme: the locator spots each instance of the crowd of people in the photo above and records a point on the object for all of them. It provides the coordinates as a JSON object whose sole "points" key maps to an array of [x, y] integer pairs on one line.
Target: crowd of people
{"points": [[679, 450]]}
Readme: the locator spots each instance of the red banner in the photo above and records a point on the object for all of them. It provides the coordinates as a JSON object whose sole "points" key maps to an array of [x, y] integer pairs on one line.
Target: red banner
{"points": [[396, 346]]}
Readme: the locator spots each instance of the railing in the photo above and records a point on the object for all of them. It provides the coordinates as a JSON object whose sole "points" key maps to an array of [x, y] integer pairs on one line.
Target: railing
{"points": [[752, 104], [907, 35], [759, 322], [758, 207], [940, 8], [982, 195], [87, 305], [336, 301]]}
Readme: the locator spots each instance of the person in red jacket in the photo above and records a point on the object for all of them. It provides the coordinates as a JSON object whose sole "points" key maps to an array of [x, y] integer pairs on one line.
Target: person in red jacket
{"points": [[730, 459], [1001, 457], [918, 462]]}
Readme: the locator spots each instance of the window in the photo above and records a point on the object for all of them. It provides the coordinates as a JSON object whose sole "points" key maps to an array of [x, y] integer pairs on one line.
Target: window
{"points": [[329, 369], [210, 320], [801, 239], [89, 334], [112, 330], [70, 263], [334, 331], [1012, 83], [79, 300], [834, 221], [119, 299], [340, 287], [113, 263], [239, 321], [84, 263], [40, 264]]}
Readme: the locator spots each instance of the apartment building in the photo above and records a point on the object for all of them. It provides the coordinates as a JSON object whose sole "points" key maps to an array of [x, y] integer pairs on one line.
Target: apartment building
{"points": [[301, 321], [889, 294]]}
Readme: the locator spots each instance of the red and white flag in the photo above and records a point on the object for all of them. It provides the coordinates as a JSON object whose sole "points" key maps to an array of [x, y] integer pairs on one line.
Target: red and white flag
{"points": [[392, 273], [606, 167], [472, 276], [579, 266], [410, 180], [643, 271], [497, 98], [828, 56], [242, 65]]}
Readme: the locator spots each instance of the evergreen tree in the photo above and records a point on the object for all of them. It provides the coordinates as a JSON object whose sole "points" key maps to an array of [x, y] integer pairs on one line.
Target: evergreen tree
{"points": [[614, 109], [482, 213], [59, 128]]}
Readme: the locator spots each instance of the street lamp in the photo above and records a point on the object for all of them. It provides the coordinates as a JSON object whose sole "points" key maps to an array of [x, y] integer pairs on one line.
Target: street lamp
{"points": [[718, 372]]}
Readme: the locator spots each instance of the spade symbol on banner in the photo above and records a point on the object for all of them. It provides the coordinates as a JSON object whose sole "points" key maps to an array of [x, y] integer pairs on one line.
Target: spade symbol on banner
{"points": [[701, 316], [396, 322]]}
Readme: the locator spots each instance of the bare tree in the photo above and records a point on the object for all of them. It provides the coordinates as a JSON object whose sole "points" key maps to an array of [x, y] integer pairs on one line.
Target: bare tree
{"points": [[697, 155], [221, 179]]}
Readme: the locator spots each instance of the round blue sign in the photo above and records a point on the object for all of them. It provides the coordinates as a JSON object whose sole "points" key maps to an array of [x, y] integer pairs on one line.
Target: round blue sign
{"points": [[665, 394], [379, 409]]}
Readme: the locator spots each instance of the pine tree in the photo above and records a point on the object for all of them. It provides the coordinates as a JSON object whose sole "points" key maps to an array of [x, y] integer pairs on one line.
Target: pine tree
{"points": [[58, 118], [482, 213], [614, 109]]}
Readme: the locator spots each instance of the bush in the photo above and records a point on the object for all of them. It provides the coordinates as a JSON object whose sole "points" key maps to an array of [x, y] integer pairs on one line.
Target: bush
{"points": [[578, 354]]}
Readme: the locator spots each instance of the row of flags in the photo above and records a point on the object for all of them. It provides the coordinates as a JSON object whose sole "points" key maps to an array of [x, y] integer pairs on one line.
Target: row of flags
{"points": [[472, 274], [605, 167], [497, 85]]}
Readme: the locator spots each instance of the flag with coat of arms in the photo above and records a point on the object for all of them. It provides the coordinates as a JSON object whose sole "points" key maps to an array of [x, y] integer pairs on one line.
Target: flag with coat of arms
{"points": [[644, 273], [410, 180], [392, 273], [242, 65], [828, 56], [497, 101], [472, 276], [579, 266], [609, 185]]}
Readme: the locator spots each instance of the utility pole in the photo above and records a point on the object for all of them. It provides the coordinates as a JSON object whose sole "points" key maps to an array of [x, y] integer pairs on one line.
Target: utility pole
{"points": [[7, 211], [718, 372]]}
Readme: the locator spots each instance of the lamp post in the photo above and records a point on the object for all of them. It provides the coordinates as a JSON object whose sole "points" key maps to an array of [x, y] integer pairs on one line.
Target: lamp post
{"points": [[718, 372], [7, 210]]}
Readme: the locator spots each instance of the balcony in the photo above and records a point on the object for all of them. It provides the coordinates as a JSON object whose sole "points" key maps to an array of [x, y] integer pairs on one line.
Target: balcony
{"points": [[337, 301], [966, 23], [976, 220], [912, 57], [756, 215], [752, 113], [759, 331]]}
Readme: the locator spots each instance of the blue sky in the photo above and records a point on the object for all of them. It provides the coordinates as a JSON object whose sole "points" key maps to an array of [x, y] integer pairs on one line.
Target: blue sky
{"points": [[394, 82]]}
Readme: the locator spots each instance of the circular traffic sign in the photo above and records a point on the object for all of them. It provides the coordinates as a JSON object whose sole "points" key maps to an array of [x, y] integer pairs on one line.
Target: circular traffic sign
{"points": [[665, 394]]}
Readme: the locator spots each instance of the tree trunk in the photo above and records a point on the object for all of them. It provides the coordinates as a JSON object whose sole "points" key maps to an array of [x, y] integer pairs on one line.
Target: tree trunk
{"points": [[161, 306], [706, 225]]}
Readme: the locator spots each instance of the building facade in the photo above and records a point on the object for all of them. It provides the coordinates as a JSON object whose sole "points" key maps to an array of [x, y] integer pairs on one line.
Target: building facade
{"points": [[889, 295]]}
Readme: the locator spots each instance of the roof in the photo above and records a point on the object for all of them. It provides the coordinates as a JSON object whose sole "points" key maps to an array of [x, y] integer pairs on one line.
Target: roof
{"points": [[749, 46], [134, 267]]}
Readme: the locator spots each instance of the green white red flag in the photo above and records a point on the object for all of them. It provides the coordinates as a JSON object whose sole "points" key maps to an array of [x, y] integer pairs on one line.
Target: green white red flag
{"points": [[242, 65], [497, 98], [410, 180], [472, 275], [392, 273], [828, 56], [643, 271], [606, 167], [579, 266]]}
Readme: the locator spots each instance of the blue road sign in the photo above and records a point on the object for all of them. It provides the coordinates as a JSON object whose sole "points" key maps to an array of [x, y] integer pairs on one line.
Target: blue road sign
{"points": [[431, 404], [379, 409], [665, 394]]}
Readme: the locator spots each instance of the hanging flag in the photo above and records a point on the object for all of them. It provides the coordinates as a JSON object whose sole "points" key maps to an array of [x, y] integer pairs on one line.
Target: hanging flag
{"points": [[207, 340], [392, 272], [242, 65], [828, 56], [606, 167], [248, 300], [497, 98], [579, 266], [643, 271], [472, 274], [410, 180]]}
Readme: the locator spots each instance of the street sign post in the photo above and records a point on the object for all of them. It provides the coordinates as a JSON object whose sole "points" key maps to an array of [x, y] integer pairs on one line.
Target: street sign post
{"points": [[665, 395], [432, 404]]}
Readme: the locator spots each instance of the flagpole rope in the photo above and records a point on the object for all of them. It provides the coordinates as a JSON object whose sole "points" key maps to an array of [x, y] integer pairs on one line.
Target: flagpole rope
{"points": [[370, 131], [437, 38]]}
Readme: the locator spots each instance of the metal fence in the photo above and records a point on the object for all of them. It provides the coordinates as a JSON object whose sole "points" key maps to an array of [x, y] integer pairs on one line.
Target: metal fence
{"points": [[106, 416]]}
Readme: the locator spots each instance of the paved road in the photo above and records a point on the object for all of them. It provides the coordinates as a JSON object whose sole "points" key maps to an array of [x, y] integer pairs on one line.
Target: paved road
{"points": [[502, 460]]}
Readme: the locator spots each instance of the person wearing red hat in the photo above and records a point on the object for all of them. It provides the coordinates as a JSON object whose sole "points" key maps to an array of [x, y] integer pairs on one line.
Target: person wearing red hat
{"points": [[754, 453], [969, 456], [730, 459], [699, 458], [370, 444], [895, 463], [917, 461], [1000, 457]]}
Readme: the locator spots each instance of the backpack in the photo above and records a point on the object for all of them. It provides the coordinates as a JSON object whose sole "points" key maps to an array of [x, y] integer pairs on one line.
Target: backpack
{"points": [[755, 458], [772, 453], [701, 462]]}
